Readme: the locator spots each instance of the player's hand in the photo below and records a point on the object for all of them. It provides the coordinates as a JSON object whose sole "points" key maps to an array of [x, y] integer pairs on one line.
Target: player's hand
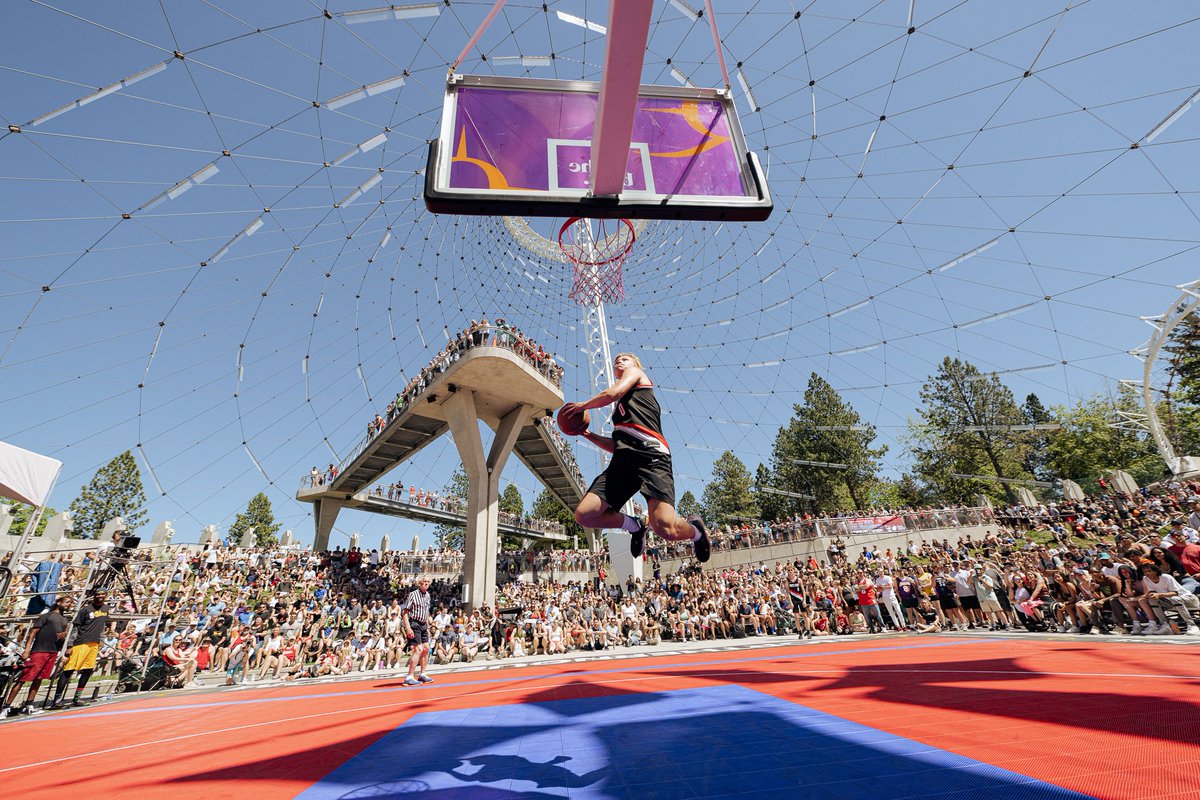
{"points": [[574, 408]]}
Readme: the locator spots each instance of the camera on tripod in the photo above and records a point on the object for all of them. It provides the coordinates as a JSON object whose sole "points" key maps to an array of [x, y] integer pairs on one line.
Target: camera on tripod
{"points": [[113, 566], [127, 542]]}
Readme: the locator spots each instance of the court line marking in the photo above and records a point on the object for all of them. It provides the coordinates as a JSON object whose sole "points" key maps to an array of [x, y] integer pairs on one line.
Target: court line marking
{"points": [[486, 681], [424, 698]]}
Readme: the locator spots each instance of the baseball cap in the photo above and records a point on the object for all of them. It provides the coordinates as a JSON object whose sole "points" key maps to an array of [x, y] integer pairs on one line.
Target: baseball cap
{"points": [[1103, 556]]}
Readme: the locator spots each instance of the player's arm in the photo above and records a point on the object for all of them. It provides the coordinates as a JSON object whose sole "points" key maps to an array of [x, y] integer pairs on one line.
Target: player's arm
{"points": [[603, 442], [628, 380]]}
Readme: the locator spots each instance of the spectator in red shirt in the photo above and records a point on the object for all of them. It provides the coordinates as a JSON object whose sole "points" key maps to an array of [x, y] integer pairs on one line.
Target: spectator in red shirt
{"points": [[868, 603], [1189, 556]]}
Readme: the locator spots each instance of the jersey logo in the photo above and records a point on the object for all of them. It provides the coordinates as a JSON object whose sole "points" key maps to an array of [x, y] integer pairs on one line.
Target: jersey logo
{"points": [[621, 409]]}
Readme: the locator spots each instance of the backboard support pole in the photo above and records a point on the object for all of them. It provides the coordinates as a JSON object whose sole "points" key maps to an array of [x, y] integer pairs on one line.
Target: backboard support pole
{"points": [[624, 54]]}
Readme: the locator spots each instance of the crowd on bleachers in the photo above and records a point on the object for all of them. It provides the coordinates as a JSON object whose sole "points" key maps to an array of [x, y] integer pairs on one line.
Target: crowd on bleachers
{"points": [[1124, 564]]}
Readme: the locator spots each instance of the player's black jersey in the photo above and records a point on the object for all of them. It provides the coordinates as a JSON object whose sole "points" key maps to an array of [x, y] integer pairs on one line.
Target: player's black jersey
{"points": [[637, 422]]}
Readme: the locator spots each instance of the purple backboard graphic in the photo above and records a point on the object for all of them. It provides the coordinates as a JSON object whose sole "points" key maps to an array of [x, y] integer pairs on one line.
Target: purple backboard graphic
{"points": [[523, 146]]}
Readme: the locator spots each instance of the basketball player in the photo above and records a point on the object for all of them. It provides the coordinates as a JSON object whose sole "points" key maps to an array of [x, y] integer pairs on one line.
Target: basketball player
{"points": [[641, 462]]}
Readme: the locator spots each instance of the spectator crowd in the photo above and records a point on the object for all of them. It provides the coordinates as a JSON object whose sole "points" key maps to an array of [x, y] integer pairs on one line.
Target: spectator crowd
{"points": [[1106, 564]]}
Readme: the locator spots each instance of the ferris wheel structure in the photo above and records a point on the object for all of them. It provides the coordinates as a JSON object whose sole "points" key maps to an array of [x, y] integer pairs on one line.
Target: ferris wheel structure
{"points": [[1149, 419]]}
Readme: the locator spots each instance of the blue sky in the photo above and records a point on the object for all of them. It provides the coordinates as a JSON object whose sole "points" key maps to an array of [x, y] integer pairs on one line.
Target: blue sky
{"points": [[266, 357]]}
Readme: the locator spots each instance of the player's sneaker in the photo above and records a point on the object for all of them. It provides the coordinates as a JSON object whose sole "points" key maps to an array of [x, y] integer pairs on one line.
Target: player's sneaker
{"points": [[411, 681], [637, 540], [423, 678], [702, 546]]}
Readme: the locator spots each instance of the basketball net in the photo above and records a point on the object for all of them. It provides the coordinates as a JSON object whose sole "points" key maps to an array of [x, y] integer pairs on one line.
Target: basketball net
{"points": [[596, 256]]}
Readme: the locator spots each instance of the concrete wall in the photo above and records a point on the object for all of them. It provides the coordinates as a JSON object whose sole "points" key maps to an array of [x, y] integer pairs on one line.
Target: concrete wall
{"points": [[819, 547]]}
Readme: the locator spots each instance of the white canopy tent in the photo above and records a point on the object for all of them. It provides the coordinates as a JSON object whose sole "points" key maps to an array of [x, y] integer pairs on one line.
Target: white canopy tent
{"points": [[27, 478]]}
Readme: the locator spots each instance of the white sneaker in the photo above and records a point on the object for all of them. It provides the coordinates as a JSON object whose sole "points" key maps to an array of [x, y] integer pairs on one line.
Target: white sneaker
{"points": [[1192, 631], [411, 681], [1073, 629], [1163, 630], [1137, 629]]}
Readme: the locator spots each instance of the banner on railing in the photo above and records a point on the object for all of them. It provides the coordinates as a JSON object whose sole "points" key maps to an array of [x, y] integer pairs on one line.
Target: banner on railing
{"points": [[890, 524]]}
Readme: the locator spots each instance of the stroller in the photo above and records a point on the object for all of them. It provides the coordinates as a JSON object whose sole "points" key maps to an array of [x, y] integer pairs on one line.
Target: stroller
{"points": [[131, 679]]}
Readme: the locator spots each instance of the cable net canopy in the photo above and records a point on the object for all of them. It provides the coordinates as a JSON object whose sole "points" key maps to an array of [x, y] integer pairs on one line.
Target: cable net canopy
{"points": [[216, 253]]}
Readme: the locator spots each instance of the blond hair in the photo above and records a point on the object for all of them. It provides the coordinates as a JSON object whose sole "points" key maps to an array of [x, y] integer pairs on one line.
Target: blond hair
{"points": [[636, 360]]}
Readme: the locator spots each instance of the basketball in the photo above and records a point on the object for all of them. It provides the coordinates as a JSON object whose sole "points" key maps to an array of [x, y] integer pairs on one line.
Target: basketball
{"points": [[573, 424]]}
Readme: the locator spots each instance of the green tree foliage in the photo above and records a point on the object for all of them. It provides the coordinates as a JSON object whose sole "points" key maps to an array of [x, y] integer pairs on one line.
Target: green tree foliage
{"points": [[770, 506], [258, 515], [1180, 410], [547, 506], [826, 429], [1088, 444], [955, 398], [20, 518], [114, 491], [688, 505], [511, 501], [1037, 457], [728, 495], [453, 537], [910, 493]]}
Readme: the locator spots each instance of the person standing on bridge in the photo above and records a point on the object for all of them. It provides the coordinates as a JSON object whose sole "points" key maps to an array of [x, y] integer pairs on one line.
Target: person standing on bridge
{"points": [[641, 463], [415, 616]]}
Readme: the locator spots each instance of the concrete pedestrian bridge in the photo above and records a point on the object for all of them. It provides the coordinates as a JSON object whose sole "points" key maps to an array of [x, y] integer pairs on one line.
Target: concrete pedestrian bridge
{"points": [[488, 384]]}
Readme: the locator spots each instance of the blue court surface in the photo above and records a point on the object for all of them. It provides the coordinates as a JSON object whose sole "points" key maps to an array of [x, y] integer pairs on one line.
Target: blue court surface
{"points": [[722, 741]]}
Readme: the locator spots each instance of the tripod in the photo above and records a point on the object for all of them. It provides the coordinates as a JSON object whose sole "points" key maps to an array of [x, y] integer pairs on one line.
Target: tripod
{"points": [[113, 573]]}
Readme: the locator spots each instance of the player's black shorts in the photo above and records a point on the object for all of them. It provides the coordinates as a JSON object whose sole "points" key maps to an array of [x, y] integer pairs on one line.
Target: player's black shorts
{"points": [[420, 631], [631, 472]]}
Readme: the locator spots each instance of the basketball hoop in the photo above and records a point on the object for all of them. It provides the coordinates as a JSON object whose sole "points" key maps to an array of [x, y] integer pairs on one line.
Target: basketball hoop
{"points": [[597, 258]]}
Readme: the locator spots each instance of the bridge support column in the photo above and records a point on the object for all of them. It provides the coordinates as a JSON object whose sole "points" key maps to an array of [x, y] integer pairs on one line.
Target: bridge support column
{"points": [[482, 541], [325, 512]]}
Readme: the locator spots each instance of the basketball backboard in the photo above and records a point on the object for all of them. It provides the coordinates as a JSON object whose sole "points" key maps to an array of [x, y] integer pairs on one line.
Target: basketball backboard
{"points": [[522, 147]]}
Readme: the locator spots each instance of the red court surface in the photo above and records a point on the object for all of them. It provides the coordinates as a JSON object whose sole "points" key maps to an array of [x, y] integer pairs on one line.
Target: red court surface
{"points": [[1078, 717]]}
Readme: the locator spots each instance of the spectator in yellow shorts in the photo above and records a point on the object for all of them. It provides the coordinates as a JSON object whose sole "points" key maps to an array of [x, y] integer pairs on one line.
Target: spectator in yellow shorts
{"points": [[90, 623]]}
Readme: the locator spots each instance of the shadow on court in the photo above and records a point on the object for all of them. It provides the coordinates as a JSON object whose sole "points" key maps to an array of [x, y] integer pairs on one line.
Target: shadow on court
{"points": [[704, 742]]}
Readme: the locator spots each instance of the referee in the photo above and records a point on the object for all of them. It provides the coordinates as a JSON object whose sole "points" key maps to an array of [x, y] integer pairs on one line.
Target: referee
{"points": [[415, 614]]}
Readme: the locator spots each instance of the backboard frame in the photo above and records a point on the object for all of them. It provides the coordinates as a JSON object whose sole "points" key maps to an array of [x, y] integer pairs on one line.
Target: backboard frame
{"points": [[755, 204]]}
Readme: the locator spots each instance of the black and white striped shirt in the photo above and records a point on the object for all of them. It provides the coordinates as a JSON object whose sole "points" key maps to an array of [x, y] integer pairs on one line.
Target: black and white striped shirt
{"points": [[417, 606]]}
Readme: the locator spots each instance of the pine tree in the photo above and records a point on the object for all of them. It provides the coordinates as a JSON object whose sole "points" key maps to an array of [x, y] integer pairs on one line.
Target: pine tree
{"points": [[20, 518], [728, 496], [1036, 460], [770, 505], [448, 536], [825, 429], [114, 491], [688, 505], [510, 500], [259, 516], [965, 428], [547, 506]]}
